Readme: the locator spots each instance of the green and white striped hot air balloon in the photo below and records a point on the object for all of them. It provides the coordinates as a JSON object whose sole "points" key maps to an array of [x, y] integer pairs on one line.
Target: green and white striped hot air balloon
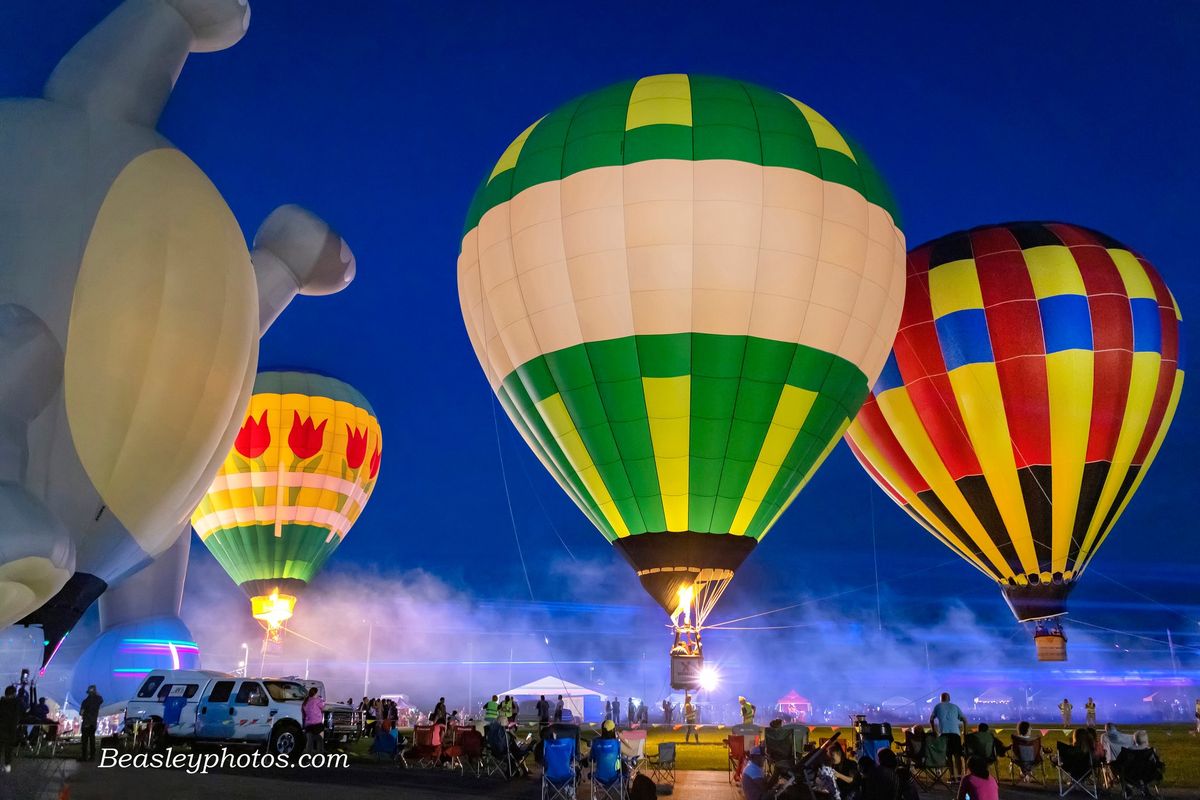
{"points": [[681, 289]]}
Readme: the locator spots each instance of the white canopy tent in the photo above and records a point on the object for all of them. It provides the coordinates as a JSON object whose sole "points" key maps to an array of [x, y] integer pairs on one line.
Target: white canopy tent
{"points": [[552, 687]]}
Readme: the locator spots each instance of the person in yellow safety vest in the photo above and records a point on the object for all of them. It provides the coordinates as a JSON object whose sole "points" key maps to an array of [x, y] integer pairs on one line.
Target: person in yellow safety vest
{"points": [[1090, 709], [748, 710], [689, 717], [1065, 707], [491, 709], [506, 707]]}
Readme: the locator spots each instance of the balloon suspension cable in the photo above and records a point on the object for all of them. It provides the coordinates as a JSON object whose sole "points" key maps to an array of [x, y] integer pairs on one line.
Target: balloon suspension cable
{"points": [[833, 596], [512, 517], [875, 555], [538, 496]]}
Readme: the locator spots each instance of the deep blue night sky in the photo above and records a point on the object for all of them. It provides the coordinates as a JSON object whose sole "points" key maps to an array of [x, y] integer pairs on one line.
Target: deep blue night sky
{"points": [[383, 116]]}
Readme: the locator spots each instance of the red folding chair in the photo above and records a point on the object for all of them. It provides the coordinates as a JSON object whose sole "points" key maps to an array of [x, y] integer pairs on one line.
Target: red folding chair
{"points": [[427, 745], [737, 757]]}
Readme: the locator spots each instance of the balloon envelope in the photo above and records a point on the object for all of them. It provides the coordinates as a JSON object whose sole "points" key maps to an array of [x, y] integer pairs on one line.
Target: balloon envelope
{"points": [[301, 470], [680, 288], [1034, 376]]}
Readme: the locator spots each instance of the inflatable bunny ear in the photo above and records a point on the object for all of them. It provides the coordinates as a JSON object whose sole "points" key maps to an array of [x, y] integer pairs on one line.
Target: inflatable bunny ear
{"points": [[128, 64]]}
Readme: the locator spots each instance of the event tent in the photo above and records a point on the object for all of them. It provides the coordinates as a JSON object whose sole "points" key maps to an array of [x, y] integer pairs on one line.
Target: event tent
{"points": [[575, 697], [795, 705]]}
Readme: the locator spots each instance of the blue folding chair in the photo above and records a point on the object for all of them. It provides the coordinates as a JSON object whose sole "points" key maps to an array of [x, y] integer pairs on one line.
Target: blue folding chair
{"points": [[558, 776], [608, 779]]}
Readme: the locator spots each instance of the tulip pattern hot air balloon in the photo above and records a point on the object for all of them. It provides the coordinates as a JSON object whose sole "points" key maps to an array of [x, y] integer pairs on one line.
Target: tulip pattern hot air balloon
{"points": [[1034, 376], [680, 289], [302, 469]]}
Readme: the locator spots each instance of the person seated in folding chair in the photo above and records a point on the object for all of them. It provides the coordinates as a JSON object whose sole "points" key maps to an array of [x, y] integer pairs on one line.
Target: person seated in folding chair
{"points": [[1076, 766], [978, 783], [609, 731], [983, 743], [843, 770], [508, 752], [607, 774], [1140, 770], [1026, 754], [754, 779]]}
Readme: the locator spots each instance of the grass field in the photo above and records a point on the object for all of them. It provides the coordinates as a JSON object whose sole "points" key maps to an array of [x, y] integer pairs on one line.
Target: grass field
{"points": [[1175, 743]]}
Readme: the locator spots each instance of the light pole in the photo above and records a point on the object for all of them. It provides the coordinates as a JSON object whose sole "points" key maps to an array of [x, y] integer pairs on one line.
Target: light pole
{"points": [[245, 658], [367, 670]]}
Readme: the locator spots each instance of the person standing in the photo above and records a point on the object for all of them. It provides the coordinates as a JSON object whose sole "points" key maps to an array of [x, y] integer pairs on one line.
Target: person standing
{"points": [[1090, 710], [10, 721], [667, 709], [558, 709], [748, 711], [543, 711], [631, 712], [1065, 709], [689, 718], [438, 716], [312, 714], [89, 716], [491, 709], [506, 707], [616, 711], [949, 722]]}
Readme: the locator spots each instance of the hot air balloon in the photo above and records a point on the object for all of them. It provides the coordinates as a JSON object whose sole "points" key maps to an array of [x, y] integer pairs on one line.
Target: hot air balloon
{"points": [[1033, 379], [301, 470], [680, 289], [130, 313]]}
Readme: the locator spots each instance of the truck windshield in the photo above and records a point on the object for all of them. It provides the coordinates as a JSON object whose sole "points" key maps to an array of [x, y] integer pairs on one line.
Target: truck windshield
{"points": [[284, 691]]}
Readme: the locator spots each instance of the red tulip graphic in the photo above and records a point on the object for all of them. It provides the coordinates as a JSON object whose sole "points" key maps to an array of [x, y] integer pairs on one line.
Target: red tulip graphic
{"points": [[305, 440], [254, 437], [356, 447], [374, 470]]}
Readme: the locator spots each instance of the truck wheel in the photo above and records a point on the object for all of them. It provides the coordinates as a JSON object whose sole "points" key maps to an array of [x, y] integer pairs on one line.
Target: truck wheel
{"points": [[287, 738]]}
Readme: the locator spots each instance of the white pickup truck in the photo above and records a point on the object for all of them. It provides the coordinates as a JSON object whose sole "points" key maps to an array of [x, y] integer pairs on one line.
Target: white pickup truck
{"points": [[207, 706]]}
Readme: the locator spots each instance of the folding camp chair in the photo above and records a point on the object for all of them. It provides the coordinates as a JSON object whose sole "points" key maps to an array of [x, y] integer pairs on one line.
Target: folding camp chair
{"points": [[737, 756], [1076, 770], [1026, 757], [929, 763], [427, 745], [470, 750], [608, 777], [499, 760], [633, 749], [871, 737], [558, 774], [983, 745], [784, 744], [1139, 772], [662, 764]]}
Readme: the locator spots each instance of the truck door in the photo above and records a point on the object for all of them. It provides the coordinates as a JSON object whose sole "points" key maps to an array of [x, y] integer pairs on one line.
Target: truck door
{"points": [[215, 719], [252, 712]]}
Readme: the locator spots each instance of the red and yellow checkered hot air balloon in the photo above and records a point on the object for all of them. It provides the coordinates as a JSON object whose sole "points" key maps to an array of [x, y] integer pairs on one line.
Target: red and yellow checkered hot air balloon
{"points": [[301, 470], [680, 289], [1034, 376]]}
